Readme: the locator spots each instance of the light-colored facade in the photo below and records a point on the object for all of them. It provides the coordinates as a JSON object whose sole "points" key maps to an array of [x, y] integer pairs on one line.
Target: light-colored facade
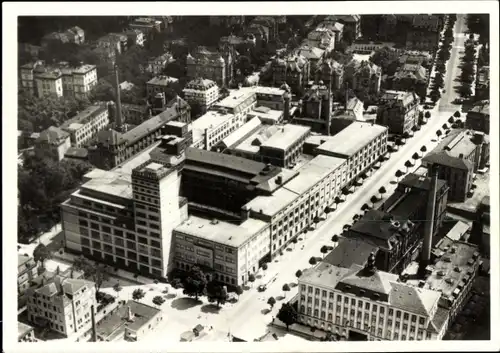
{"points": [[25, 333], [84, 79], [398, 111], [375, 306], [26, 272], [87, 124], [202, 92], [52, 143], [285, 146], [146, 24], [157, 65], [64, 304], [49, 83], [292, 209], [126, 221], [361, 144]]}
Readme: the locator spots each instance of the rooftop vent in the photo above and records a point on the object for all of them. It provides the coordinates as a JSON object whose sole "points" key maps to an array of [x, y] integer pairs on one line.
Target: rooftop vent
{"points": [[449, 281], [214, 221], [457, 269], [440, 273]]}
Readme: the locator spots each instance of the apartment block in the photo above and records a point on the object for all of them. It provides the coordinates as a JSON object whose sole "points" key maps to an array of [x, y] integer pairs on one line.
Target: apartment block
{"points": [[52, 143], [160, 84], [361, 144], [478, 118], [398, 111], [63, 304], [202, 92], [27, 270], [85, 125], [126, 221]]}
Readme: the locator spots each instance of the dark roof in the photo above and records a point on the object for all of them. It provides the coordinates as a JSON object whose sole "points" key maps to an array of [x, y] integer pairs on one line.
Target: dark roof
{"points": [[374, 224], [419, 182], [52, 135], [443, 158], [76, 152], [350, 251]]}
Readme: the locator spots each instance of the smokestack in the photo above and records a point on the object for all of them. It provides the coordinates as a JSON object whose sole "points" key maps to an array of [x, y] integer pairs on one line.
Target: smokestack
{"points": [[429, 223], [94, 331], [118, 119], [329, 109]]}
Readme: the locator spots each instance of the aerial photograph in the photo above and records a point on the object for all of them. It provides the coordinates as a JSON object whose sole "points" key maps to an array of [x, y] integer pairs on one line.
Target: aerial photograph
{"points": [[286, 179]]}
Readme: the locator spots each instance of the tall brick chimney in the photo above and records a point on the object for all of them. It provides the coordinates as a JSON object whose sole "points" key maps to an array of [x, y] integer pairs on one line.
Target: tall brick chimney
{"points": [[118, 118], [94, 331], [425, 256]]}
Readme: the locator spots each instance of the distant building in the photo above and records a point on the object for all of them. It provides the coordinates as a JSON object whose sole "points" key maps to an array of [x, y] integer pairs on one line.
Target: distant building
{"points": [[64, 304], [411, 78], [363, 74], [352, 23], [364, 303], [322, 38], [211, 65], [336, 27], [330, 72], [85, 125], [112, 148], [160, 84], [74, 35], [292, 70], [135, 37], [368, 47], [458, 156], [315, 109], [130, 322], [483, 83], [398, 111], [146, 24], [157, 65], [424, 32], [52, 143], [26, 272], [478, 118], [202, 92], [105, 55], [113, 41], [311, 53]]}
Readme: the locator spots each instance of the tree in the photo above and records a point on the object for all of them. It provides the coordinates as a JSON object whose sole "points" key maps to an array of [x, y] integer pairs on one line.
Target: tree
{"points": [[313, 261], [336, 201], [324, 250], [365, 207], [355, 218], [415, 156], [373, 200], [423, 149], [216, 293], [427, 114], [117, 288], [158, 300], [439, 133], [271, 301], [98, 273], [335, 238], [41, 253], [435, 96], [414, 129], [251, 278], [406, 135], [465, 90], [176, 283], [294, 242], [382, 191], [445, 127], [288, 315], [138, 294], [298, 274], [239, 291], [398, 175], [195, 282], [457, 114], [264, 267], [286, 288], [408, 165]]}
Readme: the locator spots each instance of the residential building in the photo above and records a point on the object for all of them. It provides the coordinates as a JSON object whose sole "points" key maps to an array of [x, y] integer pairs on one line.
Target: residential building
{"points": [[330, 72], [363, 74], [292, 70], [211, 65], [478, 118], [361, 144], [416, 57], [157, 65], [352, 24], [231, 252], [160, 84], [64, 304], [113, 41], [398, 110], [364, 303], [342, 118], [457, 157], [135, 114], [52, 143], [336, 27], [129, 322], [227, 21], [135, 37], [126, 220], [49, 83], [27, 270], [292, 208], [27, 72], [483, 83], [85, 125], [270, 23], [315, 109], [411, 78], [74, 35], [322, 38], [78, 81], [105, 55], [368, 47], [145, 24], [311, 53], [126, 86], [424, 32], [202, 92], [112, 148], [25, 333]]}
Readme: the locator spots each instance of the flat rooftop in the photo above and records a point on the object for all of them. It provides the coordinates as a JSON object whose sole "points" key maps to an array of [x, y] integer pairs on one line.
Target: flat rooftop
{"points": [[220, 231], [241, 133], [252, 143], [286, 136], [265, 113], [351, 139], [108, 182], [83, 117], [209, 120], [162, 80], [235, 98]]}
